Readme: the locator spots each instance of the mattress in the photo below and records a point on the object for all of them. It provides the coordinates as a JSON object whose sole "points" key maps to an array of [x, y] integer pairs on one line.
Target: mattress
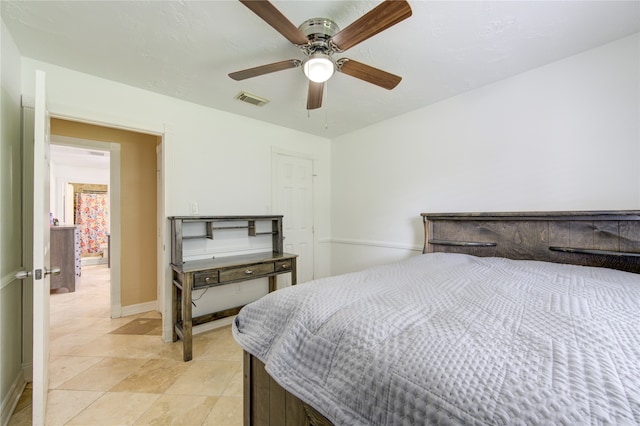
{"points": [[456, 339]]}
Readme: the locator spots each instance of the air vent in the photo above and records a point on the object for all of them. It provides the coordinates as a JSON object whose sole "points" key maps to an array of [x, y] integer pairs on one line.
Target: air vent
{"points": [[251, 99]]}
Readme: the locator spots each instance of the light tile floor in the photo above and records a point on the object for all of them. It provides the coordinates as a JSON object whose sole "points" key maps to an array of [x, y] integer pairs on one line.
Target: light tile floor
{"points": [[119, 371]]}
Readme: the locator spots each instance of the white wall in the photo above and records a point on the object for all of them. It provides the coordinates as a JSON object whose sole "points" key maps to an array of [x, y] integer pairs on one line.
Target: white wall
{"points": [[11, 362], [561, 137], [61, 175], [221, 161]]}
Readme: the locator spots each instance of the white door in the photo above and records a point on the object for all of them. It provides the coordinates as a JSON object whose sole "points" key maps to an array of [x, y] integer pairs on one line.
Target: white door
{"points": [[293, 192], [40, 272]]}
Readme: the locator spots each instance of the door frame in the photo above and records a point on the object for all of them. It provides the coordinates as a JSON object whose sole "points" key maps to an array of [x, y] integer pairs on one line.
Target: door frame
{"points": [[164, 131], [163, 303]]}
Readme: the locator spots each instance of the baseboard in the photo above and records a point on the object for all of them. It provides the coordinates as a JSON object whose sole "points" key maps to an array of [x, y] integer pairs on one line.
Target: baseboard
{"points": [[208, 326], [13, 396], [139, 308]]}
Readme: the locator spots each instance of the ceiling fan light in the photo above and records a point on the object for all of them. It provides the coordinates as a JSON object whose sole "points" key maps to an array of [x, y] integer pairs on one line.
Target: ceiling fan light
{"points": [[319, 68]]}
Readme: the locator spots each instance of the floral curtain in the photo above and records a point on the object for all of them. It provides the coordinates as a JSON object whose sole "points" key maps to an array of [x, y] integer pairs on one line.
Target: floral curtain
{"points": [[91, 218]]}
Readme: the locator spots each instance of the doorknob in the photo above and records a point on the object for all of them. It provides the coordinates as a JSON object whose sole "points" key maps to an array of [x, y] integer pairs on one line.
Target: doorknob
{"points": [[23, 275], [53, 271], [26, 274]]}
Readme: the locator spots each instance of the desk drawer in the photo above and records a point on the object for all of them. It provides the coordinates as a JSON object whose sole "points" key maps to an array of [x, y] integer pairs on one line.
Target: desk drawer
{"points": [[283, 265], [246, 271], [205, 278]]}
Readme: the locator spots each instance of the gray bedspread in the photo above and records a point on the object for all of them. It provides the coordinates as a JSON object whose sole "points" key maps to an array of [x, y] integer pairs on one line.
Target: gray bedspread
{"points": [[456, 339]]}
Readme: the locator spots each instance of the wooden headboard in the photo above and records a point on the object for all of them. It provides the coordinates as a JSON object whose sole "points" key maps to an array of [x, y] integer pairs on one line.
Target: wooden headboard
{"points": [[609, 239]]}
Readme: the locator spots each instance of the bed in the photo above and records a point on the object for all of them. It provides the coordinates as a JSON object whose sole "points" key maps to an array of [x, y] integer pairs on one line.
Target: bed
{"points": [[506, 318]]}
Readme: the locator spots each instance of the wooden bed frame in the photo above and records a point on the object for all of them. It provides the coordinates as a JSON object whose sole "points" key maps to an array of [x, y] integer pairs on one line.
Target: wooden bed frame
{"points": [[608, 239]]}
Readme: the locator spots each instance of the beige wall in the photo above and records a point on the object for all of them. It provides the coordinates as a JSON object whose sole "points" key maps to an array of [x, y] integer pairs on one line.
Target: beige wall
{"points": [[138, 198]]}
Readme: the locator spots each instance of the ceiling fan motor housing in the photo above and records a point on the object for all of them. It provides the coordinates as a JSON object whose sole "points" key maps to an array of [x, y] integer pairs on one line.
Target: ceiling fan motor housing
{"points": [[319, 66], [319, 31]]}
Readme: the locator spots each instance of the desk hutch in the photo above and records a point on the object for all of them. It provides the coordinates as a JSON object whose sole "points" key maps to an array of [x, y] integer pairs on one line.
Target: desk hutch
{"points": [[220, 270]]}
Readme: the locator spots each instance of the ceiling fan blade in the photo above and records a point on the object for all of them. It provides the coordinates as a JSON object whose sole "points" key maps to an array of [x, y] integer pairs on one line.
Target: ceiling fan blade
{"points": [[314, 95], [277, 20], [265, 69], [378, 19], [368, 73]]}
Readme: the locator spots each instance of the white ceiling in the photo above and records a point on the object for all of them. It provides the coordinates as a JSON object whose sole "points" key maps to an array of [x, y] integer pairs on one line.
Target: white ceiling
{"points": [[185, 49]]}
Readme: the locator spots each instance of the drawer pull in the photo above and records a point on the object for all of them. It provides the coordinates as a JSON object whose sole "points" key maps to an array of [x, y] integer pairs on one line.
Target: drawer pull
{"points": [[207, 280], [248, 272], [284, 266]]}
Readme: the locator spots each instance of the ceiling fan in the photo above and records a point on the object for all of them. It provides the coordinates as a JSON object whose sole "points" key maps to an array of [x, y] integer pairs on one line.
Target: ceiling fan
{"points": [[320, 38]]}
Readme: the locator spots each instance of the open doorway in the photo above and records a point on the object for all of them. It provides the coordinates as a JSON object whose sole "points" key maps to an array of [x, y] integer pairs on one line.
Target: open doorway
{"points": [[80, 232], [80, 198], [132, 246]]}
